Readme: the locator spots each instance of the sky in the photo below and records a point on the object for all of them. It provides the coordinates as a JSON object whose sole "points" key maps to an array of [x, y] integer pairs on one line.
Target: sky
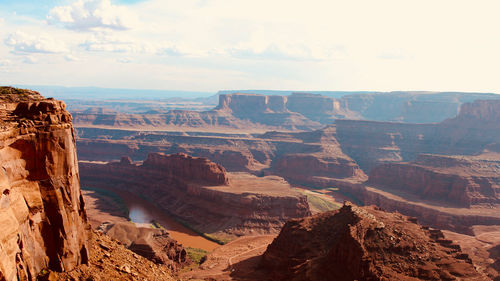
{"points": [[210, 45]]}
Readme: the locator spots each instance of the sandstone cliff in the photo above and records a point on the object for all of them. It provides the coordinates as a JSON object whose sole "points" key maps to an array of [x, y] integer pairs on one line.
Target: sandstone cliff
{"points": [[357, 243], [41, 209], [200, 193]]}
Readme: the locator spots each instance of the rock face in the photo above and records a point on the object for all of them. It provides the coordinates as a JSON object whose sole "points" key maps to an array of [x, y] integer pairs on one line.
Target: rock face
{"points": [[356, 243], [325, 161], [200, 193], [301, 110], [454, 180], [41, 209], [185, 167]]}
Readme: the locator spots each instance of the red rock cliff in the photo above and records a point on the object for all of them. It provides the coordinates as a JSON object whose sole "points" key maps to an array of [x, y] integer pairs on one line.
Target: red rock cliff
{"points": [[184, 166], [42, 214]]}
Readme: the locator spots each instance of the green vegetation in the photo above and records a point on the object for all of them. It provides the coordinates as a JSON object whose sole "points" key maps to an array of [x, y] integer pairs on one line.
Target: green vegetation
{"points": [[216, 239], [113, 196], [156, 225], [196, 254], [11, 94], [321, 204], [317, 202]]}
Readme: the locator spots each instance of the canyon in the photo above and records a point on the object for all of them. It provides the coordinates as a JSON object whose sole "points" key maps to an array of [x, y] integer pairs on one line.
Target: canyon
{"points": [[202, 194], [243, 179], [246, 111]]}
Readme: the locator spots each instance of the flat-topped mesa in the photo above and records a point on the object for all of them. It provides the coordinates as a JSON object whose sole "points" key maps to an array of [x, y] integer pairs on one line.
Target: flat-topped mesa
{"points": [[42, 217], [183, 166], [248, 104], [315, 107], [480, 110], [364, 243]]}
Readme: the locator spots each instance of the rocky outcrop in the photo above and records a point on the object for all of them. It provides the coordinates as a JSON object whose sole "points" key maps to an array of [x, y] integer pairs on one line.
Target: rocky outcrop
{"points": [[41, 209], [109, 259], [357, 243], [200, 193], [455, 180], [154, 244]]}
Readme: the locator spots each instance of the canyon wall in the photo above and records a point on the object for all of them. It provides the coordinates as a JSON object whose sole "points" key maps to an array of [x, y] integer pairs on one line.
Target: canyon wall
{"points": [[278, 153], [371, 143], [454, 180], [200, 193], [41, 209]]}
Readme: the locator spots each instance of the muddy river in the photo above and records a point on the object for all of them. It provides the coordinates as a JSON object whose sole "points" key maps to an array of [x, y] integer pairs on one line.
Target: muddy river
{"points": [[142, 211]]}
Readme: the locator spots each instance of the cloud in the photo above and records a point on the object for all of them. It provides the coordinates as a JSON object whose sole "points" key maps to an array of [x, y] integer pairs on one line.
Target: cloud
{"points": [[395, 54], [124, 60], [182, 50], [108, 43], [5, 62], [91, 15], [25, 43], [71, 58], [30, 60], [6, 66], [284, 52]]}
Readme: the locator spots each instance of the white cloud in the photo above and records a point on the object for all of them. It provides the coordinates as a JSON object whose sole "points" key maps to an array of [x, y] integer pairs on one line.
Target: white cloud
{"points": [[109, 43], [91, 15], [183, 50], [393, 54], [124, 60], [384, 45], [30, 60], [25, 43], [5, 62], [71, 58], [277, 51]]}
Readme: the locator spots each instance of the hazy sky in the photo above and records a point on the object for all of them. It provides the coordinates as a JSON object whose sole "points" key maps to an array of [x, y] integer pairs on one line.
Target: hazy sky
{"points": [[207, 45]]}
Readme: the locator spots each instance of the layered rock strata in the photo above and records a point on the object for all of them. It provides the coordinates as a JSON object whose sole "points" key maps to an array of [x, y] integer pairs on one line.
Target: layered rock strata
{"points": [[42, 213], [457, 180], [369, 143]]}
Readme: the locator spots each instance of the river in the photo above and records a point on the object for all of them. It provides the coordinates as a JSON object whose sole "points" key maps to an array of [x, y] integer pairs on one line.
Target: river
{"points": [[143, 212]]}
